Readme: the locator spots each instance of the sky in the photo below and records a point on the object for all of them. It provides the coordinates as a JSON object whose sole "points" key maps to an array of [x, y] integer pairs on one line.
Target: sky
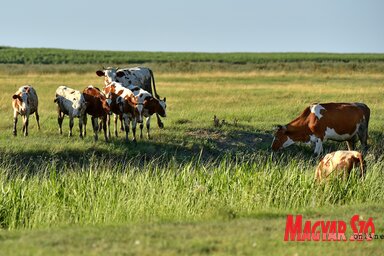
{"points": [[341, 26]]}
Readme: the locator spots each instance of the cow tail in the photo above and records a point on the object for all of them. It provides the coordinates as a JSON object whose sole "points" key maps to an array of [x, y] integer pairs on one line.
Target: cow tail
{"points": [[153, 83]]}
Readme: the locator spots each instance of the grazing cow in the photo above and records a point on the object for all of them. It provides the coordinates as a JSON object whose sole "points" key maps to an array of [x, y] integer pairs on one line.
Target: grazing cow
{"points": [[97, 106], [25, 103], [147, 105], [72, 103], [319, 122], [123, 103], [138, 76], [339, 162]]}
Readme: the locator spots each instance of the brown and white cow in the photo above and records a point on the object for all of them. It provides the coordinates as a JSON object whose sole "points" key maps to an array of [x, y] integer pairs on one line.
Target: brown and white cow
{"points": [[138, 76], [147, 105], [72, 103], [328, 121], [123, 103], [97, 107], [339, 163], [25, 103]]}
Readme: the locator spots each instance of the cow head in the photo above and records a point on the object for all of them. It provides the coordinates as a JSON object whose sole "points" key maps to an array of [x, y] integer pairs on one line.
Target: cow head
{"points": [[157, 106], [110, 74], [23, 98], [281, 138]]}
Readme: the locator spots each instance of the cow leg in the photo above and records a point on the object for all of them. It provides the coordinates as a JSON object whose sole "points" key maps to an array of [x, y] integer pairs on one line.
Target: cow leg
{"points": [[121, 122], [148, 124], [60, 118], [81, 126], [100, 125], [126, 126], [104, 122], [134, 124], [37, 119], [362, 133], [85, 120], [25, 124], [71, 123], [115, 126], [318, 147], [159, 123], [95, 127], [351, 143], [141, 130], [108, 122], [15, 123]]}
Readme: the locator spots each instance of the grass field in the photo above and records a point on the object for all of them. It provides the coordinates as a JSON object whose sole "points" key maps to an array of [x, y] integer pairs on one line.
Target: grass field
{"points": [[194, 188]]}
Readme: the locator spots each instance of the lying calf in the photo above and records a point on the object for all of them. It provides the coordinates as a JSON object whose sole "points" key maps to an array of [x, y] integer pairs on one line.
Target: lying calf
{"points": [[339, 162]]}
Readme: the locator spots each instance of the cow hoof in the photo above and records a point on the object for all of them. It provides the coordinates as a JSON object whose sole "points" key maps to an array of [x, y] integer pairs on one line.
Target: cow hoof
{"points": [[161, 125]]}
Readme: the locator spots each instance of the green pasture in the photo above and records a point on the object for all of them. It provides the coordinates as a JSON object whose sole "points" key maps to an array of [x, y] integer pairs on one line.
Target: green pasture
{"points": [[194, 188]]}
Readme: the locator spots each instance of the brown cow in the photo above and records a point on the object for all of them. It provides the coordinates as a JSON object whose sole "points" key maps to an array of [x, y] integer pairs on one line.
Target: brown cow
{"points": [[152, 106], [320, 122], [123, 103], [339, 162], [25, 103], [97, 106]]}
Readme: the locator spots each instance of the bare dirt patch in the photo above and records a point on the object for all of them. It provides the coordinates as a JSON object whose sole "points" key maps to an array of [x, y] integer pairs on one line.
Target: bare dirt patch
{"points": [[231, 140]]}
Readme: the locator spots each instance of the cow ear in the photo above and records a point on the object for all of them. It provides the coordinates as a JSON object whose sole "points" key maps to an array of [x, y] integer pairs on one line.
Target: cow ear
{"points": [[120, 74], [165, 99], [100, 73], [15, 96]]}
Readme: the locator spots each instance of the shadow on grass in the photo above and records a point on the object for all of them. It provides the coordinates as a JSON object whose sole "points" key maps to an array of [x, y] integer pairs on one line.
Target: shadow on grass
{"points": [[199, 145]]}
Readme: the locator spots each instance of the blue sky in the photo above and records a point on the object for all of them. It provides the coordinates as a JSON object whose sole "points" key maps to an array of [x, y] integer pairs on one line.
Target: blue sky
{"points": [[196, 26]]}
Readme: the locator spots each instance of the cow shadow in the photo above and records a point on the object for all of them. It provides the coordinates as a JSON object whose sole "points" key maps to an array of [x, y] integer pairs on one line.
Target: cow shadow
{"points": [[196, 144]]}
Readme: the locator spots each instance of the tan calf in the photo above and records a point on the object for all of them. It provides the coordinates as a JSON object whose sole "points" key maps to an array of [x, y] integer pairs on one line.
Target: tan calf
{"points": [[25, 103], [339, 162]]}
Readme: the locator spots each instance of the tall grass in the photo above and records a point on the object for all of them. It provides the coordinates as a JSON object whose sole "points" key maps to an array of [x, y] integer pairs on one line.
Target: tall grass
{"points": [[130, 191]]}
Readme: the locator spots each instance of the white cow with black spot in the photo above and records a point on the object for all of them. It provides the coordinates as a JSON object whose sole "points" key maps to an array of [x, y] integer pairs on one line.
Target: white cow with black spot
{"points": [[72, 103]]}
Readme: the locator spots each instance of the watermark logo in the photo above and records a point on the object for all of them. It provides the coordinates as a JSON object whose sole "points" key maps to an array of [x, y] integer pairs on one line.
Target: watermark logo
{"points": [[330, 230]]}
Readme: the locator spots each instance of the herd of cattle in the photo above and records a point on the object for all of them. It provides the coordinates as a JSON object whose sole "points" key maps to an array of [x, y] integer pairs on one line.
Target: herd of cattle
{"points": [[128, 94]]}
